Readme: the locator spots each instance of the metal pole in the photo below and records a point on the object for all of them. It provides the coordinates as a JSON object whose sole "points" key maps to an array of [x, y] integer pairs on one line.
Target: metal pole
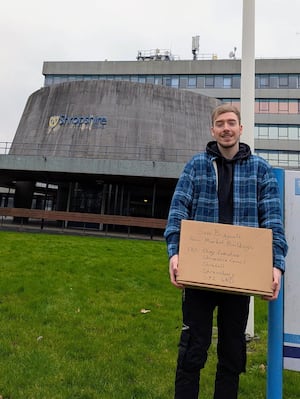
{"points": [[248, 99], [275, 327], [248, 72]]}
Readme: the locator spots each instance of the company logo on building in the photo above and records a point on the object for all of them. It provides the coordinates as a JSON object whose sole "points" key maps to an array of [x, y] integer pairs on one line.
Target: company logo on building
{"points": [[53, 121], [77, 121]]}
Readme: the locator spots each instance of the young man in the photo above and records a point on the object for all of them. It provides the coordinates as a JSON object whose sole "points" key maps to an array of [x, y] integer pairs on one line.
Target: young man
{"points": [[225, 184]]}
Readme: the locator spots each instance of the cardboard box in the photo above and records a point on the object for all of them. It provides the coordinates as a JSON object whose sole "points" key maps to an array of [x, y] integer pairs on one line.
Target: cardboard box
{"points": [[226, 257]]}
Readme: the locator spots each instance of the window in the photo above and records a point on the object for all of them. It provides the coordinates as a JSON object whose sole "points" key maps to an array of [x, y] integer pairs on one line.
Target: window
{"points": [[283, 158], [273, 132], [209, 81], [157, 80], [263, 81], [293, 160], [57, 79], [233, 101], [293, 106], [263, 132], [227, 82], [273, 106], [218, 82], [167, 80], [227, 101], [175, 81], [262, 154], [192, 82], [283, 106], [283, 81], [150, 79], [70, 79], [236, 82], [293, 133], [283, 132], [48, 80], [279, 132], [273, 157], [183, 81], [263, 106]]}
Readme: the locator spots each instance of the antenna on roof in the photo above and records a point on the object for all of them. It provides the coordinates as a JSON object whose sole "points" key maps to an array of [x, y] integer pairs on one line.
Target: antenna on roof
{"points": [[232, 53], [195, 46]]}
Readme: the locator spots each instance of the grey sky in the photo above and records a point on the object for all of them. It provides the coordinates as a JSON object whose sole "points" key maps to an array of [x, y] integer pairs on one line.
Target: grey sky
{"points": [[34, 31]]}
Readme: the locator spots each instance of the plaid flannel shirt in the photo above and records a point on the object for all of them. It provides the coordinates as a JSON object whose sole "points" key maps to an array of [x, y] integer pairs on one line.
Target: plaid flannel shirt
{"points": [[256, 200]]}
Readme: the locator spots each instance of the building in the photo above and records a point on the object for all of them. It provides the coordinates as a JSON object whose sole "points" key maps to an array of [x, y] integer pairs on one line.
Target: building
{"points": [[112, 137], [103, 147], [277, 92]]}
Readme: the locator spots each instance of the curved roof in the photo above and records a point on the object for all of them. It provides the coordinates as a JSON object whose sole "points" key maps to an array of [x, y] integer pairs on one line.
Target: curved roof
{"points": [[114, 120]]}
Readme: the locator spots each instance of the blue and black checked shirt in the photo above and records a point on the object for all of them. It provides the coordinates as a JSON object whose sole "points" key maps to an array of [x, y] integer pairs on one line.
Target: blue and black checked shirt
{"points": [[256, 200]]}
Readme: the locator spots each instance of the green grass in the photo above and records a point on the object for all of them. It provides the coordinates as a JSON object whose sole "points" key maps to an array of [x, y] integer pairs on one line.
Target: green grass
{"points": [[72, 326]]}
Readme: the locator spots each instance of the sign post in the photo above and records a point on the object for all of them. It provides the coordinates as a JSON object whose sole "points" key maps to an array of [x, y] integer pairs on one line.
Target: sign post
{"points": [[275, 327], [291, 348]]}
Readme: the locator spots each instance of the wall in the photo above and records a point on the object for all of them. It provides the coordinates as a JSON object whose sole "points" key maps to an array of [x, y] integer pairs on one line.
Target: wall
{"points": [[137, 121]]}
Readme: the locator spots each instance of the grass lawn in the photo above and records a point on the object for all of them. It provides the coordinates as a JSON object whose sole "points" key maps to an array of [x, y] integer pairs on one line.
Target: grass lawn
{"points": [[89, 317]]}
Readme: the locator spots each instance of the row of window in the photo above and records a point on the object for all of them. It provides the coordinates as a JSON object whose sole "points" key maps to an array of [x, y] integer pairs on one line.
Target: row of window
{"points": [[271, 105], [184, 81], [266, 81], [279, 132], [282, 159]]}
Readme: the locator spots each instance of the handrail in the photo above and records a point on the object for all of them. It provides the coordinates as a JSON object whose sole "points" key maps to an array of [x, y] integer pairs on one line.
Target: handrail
{"points": [[144, 153]]}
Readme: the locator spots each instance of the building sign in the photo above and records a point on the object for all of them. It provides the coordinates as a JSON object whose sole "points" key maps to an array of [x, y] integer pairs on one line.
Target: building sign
{"points": [[291, 348], [89, 121]]}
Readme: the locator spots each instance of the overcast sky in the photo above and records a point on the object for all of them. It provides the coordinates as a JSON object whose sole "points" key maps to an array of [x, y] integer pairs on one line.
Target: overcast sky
{"points": [[34, 31]]}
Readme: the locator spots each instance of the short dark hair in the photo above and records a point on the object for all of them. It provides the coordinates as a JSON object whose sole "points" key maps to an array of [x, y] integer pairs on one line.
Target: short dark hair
{"points": [[221, 109]]}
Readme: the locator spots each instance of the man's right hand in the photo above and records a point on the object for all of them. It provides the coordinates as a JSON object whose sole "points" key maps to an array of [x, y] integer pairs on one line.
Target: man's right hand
{"points": [[173, 271]]}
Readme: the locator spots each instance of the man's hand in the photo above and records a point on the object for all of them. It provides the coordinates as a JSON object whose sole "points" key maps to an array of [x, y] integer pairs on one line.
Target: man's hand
{"points": [[277, 273], [173, 271]]}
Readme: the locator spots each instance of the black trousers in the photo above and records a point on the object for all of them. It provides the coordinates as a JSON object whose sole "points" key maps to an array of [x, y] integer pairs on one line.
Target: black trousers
{"points": [[197, 308]]}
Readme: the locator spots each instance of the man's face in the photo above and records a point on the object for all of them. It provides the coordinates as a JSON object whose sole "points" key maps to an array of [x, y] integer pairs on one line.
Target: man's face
{"points": [[227, 130]]}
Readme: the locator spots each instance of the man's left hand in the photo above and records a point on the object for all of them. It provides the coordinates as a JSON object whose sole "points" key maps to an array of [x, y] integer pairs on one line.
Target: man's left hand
{"points": [[276, 284]]}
